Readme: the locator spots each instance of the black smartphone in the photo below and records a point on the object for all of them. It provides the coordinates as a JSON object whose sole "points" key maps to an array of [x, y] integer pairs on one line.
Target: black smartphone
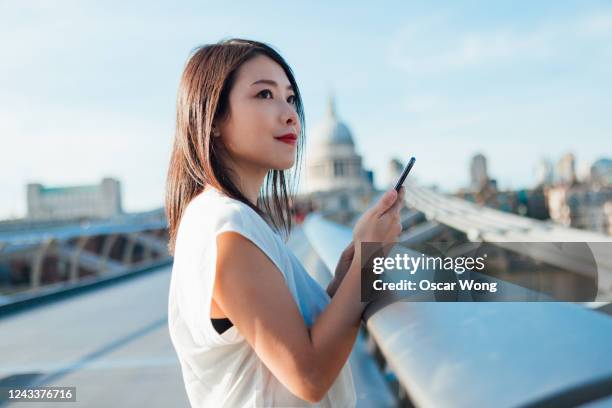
{"points": [[407, 169]]}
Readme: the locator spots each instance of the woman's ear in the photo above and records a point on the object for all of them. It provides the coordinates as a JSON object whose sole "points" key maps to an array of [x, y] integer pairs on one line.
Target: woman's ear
{"points": [[215, 131]]}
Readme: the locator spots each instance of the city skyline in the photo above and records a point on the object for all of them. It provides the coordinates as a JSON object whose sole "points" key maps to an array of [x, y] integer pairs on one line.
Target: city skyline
{"points": [[95, 95]]}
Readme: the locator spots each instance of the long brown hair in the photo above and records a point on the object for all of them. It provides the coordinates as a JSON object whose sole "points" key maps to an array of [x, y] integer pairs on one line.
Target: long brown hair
{"points": [[203, 98]]}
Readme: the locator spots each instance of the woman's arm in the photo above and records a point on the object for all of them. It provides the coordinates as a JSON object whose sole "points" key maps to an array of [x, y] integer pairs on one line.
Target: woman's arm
{"points": [[253, 294], [332, 287], [346, 258]]}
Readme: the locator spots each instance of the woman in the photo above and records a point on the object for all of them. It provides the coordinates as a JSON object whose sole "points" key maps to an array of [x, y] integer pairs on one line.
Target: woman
{"points": [[249, 325]]}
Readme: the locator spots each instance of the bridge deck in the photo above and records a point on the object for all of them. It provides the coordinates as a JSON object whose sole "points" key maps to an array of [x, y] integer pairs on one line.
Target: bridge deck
{"points": [[111, 343]]}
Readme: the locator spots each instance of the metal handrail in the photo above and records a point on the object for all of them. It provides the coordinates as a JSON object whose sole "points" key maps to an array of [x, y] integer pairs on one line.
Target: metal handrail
{"points": [[466, 354]]}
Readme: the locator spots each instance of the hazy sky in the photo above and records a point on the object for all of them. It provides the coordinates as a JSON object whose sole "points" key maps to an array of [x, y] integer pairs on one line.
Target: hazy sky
{"points": [[88, 90]]}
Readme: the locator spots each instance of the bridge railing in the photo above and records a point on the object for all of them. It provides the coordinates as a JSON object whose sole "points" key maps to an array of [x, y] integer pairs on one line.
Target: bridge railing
{"points": [[96, 246], [488, 224], [467, 354]]}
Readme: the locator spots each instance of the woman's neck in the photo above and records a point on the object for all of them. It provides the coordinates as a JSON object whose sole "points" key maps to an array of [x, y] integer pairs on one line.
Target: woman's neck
{"points": [[249, 179]]}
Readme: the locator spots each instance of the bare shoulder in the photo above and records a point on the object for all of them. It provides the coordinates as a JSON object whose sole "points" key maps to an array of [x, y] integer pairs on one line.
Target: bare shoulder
{"points": [[235, 252], [253, 294]]}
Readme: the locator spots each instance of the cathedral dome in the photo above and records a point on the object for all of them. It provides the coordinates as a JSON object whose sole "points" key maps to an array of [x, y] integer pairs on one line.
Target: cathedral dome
{"points": [[331, 131]]}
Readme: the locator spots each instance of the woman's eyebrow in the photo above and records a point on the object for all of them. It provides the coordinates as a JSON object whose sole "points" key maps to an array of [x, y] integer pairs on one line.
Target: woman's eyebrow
{"points": [[269, 82]]}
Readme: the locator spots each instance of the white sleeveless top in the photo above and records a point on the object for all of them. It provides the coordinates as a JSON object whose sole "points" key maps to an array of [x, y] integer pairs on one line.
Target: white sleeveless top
{"points": [[223, 370]]}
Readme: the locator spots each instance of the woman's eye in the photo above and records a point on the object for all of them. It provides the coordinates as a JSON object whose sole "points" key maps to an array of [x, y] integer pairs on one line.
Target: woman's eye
{"points": [[291, 98], [265, 91]]}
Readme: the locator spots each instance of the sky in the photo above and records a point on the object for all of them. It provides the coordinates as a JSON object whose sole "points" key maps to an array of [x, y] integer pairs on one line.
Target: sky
{"points": [[88, 90]]}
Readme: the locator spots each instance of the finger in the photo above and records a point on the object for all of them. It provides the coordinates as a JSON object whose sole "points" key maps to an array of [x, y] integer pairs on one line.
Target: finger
{"points": [[401, 196], [349, 250], [402, 193], [395, 221], [396, 207], [386, 202], [395, 231]]}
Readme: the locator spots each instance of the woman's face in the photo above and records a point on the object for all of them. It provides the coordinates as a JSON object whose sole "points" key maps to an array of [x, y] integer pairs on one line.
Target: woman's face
{"points": [[262, 108]]}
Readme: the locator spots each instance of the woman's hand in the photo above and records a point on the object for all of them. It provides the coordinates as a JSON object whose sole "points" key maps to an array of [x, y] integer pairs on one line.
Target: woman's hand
{"points": [[381, 223], [346, 258]]}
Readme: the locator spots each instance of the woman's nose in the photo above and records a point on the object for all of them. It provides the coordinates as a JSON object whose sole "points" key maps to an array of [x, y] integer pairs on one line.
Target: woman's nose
{"points": [[289, 114]]}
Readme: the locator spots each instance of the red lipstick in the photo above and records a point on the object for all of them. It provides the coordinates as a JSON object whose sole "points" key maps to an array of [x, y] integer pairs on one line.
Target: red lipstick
{"points": [[289, 138]]}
